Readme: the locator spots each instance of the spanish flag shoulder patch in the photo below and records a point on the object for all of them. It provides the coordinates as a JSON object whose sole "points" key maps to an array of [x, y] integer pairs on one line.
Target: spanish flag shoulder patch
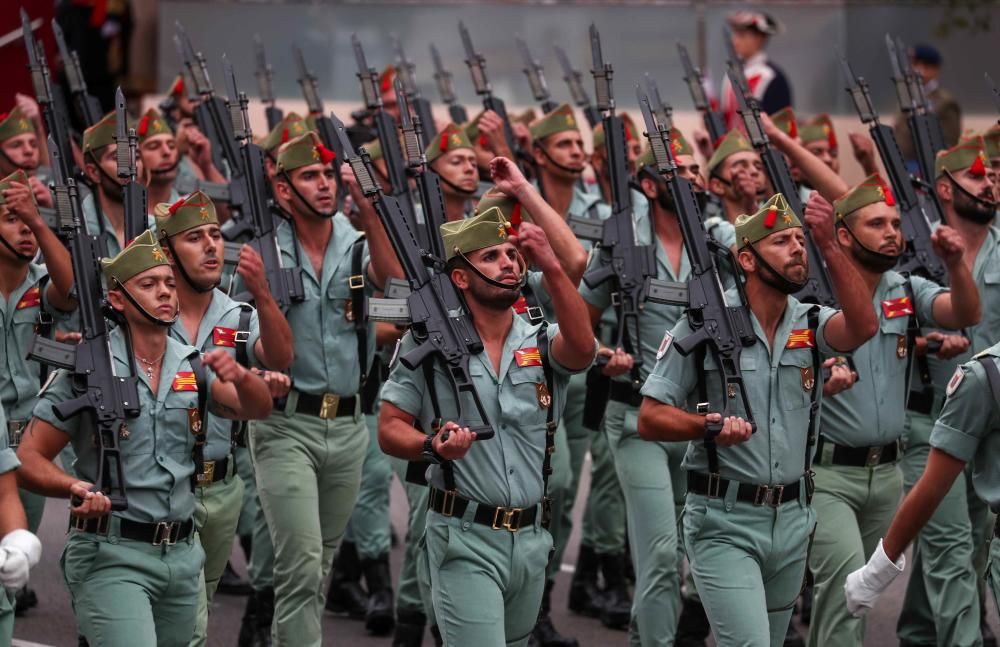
{"points": [[521, 305], [32, 298], [801, 338], [185, 381], [224, 336], [528, 357], [901, 307]]}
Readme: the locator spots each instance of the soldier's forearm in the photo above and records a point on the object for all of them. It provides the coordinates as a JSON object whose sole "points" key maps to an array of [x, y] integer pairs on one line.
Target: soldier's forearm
{"points": [[12, 514], [397, 436], [965, 307], [664, 422], [860, 323], [277, 352], [819, 175]]}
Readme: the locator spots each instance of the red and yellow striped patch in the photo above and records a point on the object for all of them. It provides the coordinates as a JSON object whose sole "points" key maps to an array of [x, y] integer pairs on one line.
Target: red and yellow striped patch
{"points": [[901, 307], [801, 338], [185, 381], [528, 357], [521, 305], [30, 299], [224, 336]]}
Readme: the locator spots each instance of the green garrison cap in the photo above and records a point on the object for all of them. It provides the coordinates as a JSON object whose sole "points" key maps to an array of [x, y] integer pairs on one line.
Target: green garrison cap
{"points": [[19, 177], [291, 126], [471, 127], [484, 229], [784, 119], [969, 154], [733, 142], [630, 132], [152, 124], [818, 129], [450, 138], [991, 139], [141, 254], [302, 151], [14, 123], [100, 134], [374, 148], [873, 189], [773, 217], [177, 86], [678, 144], [187, 213], [510, 208], [559, 120]]}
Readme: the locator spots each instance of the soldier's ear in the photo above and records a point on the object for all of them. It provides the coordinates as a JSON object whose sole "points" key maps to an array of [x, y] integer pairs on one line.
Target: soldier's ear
{"points": [[648, 187], [746, 260], [843, 236], [944, 189], [460, 277], [116, 300]]}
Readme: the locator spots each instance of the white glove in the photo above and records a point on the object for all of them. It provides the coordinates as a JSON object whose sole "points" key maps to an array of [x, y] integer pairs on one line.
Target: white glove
{"points": [[864, 586], [19, 551]]}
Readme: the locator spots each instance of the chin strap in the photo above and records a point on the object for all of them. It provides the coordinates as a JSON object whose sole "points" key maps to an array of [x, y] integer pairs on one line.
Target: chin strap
{"points": [[777, 280], [876, 261], [497, 284], [457, 189], [145, 313], [184, 274], [17, 254], [986, 203], [311, 208], [562, 167]]}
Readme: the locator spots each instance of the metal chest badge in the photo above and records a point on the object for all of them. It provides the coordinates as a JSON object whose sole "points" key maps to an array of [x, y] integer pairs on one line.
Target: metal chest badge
{"points": [[543, 395], [808, 378], [349, 310], [901, 346]]}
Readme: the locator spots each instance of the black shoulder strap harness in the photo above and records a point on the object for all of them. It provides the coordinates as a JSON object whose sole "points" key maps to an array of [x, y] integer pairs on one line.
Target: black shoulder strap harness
{"points": [[812, 319], [238, 428], [992, 375], [535, 313], [357, 284], [197, 420], [44, 325], [925, 395]]}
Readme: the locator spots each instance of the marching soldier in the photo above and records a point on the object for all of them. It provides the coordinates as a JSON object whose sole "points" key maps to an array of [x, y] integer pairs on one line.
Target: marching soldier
{"points": [[736, 175], [189, 233], [451, 155], [858, 483], [157, 146], [747, 518], [133, 575], [21, 149], [308, 454], [942, 601], [490, 592]]}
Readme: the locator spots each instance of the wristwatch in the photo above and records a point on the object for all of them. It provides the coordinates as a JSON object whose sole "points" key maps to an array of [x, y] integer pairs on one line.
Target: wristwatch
{"points": [[429, 454]]}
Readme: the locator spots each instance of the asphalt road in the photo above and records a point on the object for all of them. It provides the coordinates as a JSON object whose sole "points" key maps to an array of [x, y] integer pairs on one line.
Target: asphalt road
{"points": [[51, 623]]}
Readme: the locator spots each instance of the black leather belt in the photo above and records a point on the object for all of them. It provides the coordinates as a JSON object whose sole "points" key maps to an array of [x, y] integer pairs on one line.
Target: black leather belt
{"points": [[450, 504], [325, 405], [859, 456], [213, 472], [758, 495], [156, 533], [624, 392]]}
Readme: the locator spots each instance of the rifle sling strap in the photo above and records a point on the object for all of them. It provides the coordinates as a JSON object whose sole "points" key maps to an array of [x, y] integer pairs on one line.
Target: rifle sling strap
{"points": [[357, 285], [238, 428]]}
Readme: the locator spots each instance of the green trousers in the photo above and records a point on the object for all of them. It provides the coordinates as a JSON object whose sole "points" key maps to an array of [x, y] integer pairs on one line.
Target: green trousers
{"points": [[748, 563], [368, 528], [250, 505], [6, 617], [566, 467], [604, 516], [486, 585], [216, 515], [941, 606], [993, 571], [648, 479], [413, 592], [854, 506], [260, 570], [308, 474], [127, 593]]}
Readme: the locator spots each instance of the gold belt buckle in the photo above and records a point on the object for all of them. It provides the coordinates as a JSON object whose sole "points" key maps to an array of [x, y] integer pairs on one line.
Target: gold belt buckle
{"points": [[507, 519], [207, 475], [328, 409]]}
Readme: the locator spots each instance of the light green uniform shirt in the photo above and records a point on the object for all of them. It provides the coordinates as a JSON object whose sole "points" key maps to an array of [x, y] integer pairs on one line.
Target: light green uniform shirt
{"points": [[505, 470], [326, 347], [157, 455], [969, 426], [220, 323], [20, 379], [872, 412], [776, 383], [100, 226]]}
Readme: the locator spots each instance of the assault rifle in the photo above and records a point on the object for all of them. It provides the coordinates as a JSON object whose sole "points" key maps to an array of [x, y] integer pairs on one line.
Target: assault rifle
{"points": [[440, 323], [574, 79], [285, 283], [87, 107], [993, 88], [714, 122], [421, 106], [56, 119], [105, 398], [819, 285], [536, 77], [925, 127], [272, 112], [914, 207], [134, 193], [324, 127], [447, 91], [210, 113], [720, 328], [477, 67]]}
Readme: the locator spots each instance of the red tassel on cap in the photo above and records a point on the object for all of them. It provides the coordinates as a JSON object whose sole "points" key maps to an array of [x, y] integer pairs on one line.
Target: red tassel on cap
{"points": [[978, 169], [771, 217], [177, 205], [482, 141], [890, 199], [4, 115], [143, 125], [628, 133], [387, 79], [284, 135], [793, 128], [444, 142], [831, 138], [178, 87], [515, 218], [325, 154]]}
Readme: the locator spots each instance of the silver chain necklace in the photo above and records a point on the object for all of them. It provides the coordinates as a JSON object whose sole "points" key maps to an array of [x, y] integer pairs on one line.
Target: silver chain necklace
{"points": [[151, 364]]}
